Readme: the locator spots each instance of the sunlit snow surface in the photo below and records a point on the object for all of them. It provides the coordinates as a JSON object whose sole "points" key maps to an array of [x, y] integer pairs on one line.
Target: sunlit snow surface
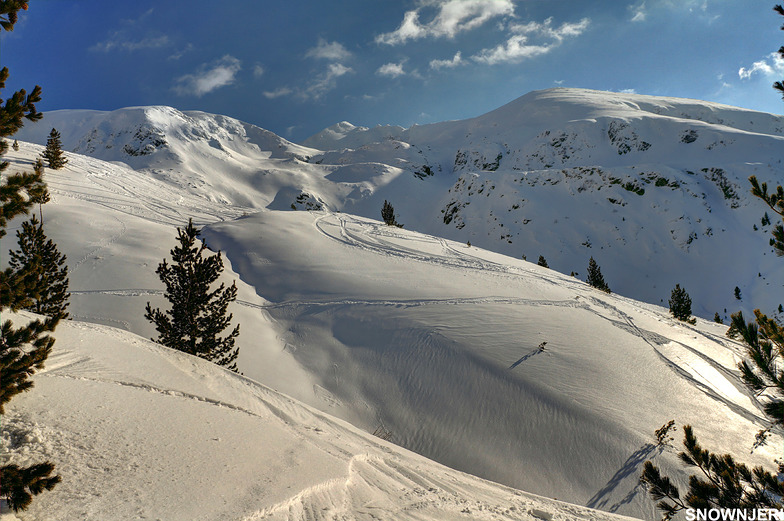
{"points": [[431, 340]]}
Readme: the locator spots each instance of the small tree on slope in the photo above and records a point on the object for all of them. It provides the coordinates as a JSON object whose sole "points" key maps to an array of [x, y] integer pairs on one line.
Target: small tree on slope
{"points": [[197, 315], [388, 215], [680, 305], [53, 153], [595, 278], [22, 350]]}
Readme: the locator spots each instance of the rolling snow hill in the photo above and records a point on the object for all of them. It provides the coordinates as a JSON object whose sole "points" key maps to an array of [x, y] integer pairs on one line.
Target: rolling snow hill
{"points": [[426, 339], [650, 187], [138, 431]]}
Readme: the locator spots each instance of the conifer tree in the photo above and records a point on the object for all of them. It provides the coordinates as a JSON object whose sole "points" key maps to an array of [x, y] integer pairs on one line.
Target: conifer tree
{"points": [[595, 278], [680, 305], [15, 146], [54, 153], [20, 484], [542, 262], [23, 350], [388, 215], [198, 314], [722, 483], [39, 261]]}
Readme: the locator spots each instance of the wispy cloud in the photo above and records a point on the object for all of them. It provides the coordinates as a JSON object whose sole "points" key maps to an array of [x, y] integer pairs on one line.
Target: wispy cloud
{"points": [[209, 77], [453, 17], [456, 60], [332, 51], [316, 88], [771, 65], [127, 38], [639, 13], [391, 70], [258, 71], [519, 47], [181, 52], [278, 93], [325, 82], [120, 41]]}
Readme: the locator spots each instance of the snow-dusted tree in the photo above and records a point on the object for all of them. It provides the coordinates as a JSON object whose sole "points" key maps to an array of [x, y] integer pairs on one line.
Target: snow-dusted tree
{"points": [[198, 315], [53, 153], [595, 277], [680, 305], [22, 350], [388, 215], [43, 266]]}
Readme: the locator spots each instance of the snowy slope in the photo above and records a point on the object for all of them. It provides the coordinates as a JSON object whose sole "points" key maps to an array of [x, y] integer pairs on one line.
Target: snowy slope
{"points": [[433, 341], [648, 186], [138, 431]]}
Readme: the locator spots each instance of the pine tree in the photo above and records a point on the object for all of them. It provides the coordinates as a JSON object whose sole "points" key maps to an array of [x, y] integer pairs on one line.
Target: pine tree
{"points": [[595, 278], [542, 262], [680, 305], [20, 484], [15, 146], [388, 215], [22, 350], [779, 86], [197, 315], [717, 318], [54, 153], [724, 483], [736, 292], [39, 261]]}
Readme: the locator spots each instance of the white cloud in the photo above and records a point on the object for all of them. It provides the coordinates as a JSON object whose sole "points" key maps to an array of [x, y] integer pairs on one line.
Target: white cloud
{"points": [[447, 64], [127, 39], [639, 14], [317, 87], [453, 17], [208, 77], [546, 29], [771, 65], [392, 70], [119, 41], [333, 51], [518, 46], [278, 93], [258, 71], [514, 50], [325, 82]]}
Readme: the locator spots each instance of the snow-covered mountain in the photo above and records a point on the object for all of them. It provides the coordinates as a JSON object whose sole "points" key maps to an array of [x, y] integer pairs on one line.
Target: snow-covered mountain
{"points": [[655, 189], [485, 363]]}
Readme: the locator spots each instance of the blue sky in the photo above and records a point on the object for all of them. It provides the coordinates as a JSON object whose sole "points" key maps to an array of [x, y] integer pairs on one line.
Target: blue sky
{"points": [[298, 66]]}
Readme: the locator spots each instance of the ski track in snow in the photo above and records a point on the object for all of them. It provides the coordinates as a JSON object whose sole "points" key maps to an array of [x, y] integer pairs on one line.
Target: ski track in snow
{"points": [[376, 238]]}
